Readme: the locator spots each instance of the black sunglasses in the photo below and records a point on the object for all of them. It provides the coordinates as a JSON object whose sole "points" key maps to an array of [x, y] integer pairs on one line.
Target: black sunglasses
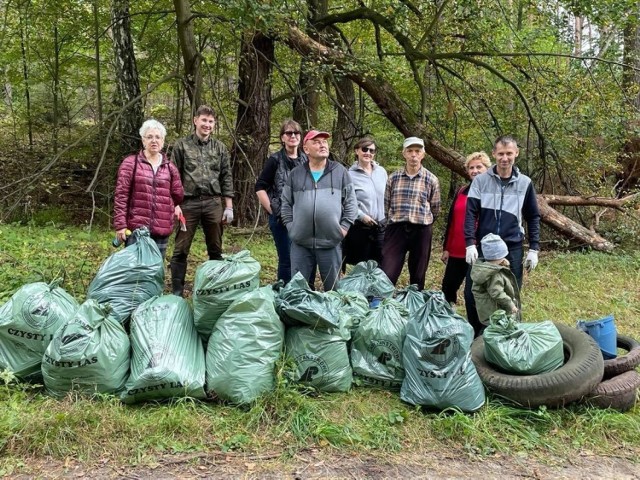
{"points": [[291, 133], [368, 149]]}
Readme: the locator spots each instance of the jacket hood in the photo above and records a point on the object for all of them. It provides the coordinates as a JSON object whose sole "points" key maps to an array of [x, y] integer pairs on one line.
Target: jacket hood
{"points": [[331, 164], [483, 271]]}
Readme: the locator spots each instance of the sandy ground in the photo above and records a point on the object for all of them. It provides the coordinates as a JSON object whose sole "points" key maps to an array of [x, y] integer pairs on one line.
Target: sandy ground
{"points": [[319, 465]]}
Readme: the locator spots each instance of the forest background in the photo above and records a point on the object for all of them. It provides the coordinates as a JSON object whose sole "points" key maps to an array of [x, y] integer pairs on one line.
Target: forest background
{"points": [[80, 77]]}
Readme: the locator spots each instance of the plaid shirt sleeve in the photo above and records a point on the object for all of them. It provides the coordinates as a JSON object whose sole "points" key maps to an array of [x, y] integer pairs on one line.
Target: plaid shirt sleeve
{"points": [[434, 200]]}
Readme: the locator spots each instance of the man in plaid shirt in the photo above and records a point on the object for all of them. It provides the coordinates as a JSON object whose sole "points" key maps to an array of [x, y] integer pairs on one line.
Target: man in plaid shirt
{"points": [[412, 203]]}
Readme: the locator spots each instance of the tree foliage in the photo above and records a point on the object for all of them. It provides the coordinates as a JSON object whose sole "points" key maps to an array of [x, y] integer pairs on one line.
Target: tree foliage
{"points": [[463, 71]]}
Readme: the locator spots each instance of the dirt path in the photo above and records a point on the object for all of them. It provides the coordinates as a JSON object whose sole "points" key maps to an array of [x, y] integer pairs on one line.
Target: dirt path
{"points": [[316, 465]]}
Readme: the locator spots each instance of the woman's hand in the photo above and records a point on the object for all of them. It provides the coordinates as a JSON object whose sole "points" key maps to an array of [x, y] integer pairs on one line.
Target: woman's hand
{"points": [[367, 220], [177, 212], [445, 256], [121, 235]]}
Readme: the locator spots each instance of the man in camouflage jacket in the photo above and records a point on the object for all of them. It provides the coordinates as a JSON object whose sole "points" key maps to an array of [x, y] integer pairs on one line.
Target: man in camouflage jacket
{"points": [[205, 170]]}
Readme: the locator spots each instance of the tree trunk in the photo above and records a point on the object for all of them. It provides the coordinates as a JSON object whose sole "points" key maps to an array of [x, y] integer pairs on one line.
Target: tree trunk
{"points": [[56, 86], [577, 36], [24, 49], [251, 147], [190, 54], [405, 120], [96, 34], [569, 228], [307, 100], [630, 155], [345, 132], [126, 77]]}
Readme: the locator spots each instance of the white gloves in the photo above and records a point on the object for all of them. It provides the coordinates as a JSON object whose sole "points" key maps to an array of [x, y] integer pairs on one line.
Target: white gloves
{"points": [[532, 260], [472, 254], [227, 216]]}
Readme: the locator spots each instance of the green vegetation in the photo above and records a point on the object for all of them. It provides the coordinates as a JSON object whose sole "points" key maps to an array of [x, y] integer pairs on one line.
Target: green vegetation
{"points": [[565, 287]]}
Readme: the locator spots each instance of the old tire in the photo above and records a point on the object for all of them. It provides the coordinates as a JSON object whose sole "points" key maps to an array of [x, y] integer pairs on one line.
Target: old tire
{"points": [[623, 363], [619, 392], [580, 374]]}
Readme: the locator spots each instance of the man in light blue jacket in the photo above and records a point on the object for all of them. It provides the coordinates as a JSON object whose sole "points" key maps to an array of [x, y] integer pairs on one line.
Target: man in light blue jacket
{"points": [[318, 207]]}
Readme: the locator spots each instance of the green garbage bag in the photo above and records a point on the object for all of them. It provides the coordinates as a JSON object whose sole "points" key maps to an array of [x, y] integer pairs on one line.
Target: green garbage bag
{"points": [[439, 372], [376, 351], [353, 308], [167, 359], [244, 347], [368, 279], [129, 277], [413, 299], [27, 324], [218, 283], [298, 305], [320, 357], [522, 348], [89, 353]]}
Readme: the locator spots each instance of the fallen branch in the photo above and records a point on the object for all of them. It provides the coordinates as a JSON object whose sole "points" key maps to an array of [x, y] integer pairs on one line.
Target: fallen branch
{"points": [[568, 227], [582, 201]]}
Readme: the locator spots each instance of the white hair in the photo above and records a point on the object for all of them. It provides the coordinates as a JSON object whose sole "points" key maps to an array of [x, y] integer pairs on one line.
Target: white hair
{"points": [[149, 124]]}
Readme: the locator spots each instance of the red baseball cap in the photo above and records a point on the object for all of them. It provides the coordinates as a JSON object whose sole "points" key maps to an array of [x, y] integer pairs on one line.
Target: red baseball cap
{"points": [[311, 134]]}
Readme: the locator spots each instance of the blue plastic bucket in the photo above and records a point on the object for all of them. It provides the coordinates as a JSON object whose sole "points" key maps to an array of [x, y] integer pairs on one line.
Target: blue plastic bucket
{"points": [[603, 331]]}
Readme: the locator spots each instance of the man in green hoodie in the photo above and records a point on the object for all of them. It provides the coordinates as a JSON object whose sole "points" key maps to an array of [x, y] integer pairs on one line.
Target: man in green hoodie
{"points": [[494, 285]]}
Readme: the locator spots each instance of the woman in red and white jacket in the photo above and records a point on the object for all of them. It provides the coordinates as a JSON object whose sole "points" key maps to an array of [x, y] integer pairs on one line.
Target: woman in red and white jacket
{"points": [[148, 189], [454, 248]]}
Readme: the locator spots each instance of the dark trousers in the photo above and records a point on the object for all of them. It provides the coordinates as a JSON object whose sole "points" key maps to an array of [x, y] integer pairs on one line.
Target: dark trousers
{"points": [[454, 274], [205, 211], [515, 261], [403, 238], [283, 247], [363, 242]]}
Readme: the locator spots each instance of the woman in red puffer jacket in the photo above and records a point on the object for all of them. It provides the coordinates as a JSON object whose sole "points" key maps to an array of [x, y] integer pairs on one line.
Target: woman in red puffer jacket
{"points": [[147, 190]]}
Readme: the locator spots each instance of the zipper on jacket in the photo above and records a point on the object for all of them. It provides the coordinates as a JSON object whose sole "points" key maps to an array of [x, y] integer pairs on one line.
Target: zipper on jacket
{"points": [[315, 198], [152, 217], [498, 226]]}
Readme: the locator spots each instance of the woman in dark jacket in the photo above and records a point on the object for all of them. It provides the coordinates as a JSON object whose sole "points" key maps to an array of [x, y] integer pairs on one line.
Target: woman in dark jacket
{"points": [[148, 189], [269, 190], [453, 249]]}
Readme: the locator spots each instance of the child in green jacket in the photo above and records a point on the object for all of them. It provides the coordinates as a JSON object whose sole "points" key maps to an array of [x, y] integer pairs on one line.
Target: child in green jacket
{"points": [[494, 286]]}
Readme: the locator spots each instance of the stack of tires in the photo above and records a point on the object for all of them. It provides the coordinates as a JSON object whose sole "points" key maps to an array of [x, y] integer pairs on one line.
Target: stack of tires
{"points": [[584, 376], [621, 381]]}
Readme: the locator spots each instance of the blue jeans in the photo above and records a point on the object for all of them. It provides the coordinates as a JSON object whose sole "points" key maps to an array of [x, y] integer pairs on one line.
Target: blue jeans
{"points": [[326, 260], [283, 247]]}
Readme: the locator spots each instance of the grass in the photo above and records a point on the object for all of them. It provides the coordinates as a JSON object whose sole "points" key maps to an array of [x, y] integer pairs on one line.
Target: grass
{"points": [[565, 287]]}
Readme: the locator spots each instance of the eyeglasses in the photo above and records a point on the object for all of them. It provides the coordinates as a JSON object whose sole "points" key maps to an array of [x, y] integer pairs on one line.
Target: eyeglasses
{"points": [[291, 133], [368, 149]]}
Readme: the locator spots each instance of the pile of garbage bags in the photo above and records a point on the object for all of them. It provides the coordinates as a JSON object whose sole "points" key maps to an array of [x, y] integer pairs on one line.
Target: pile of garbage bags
{"points": [[129, 340]]}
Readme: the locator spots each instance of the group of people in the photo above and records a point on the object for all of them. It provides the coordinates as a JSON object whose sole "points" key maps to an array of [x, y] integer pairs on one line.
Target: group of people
{"points": [[323, 216]]}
